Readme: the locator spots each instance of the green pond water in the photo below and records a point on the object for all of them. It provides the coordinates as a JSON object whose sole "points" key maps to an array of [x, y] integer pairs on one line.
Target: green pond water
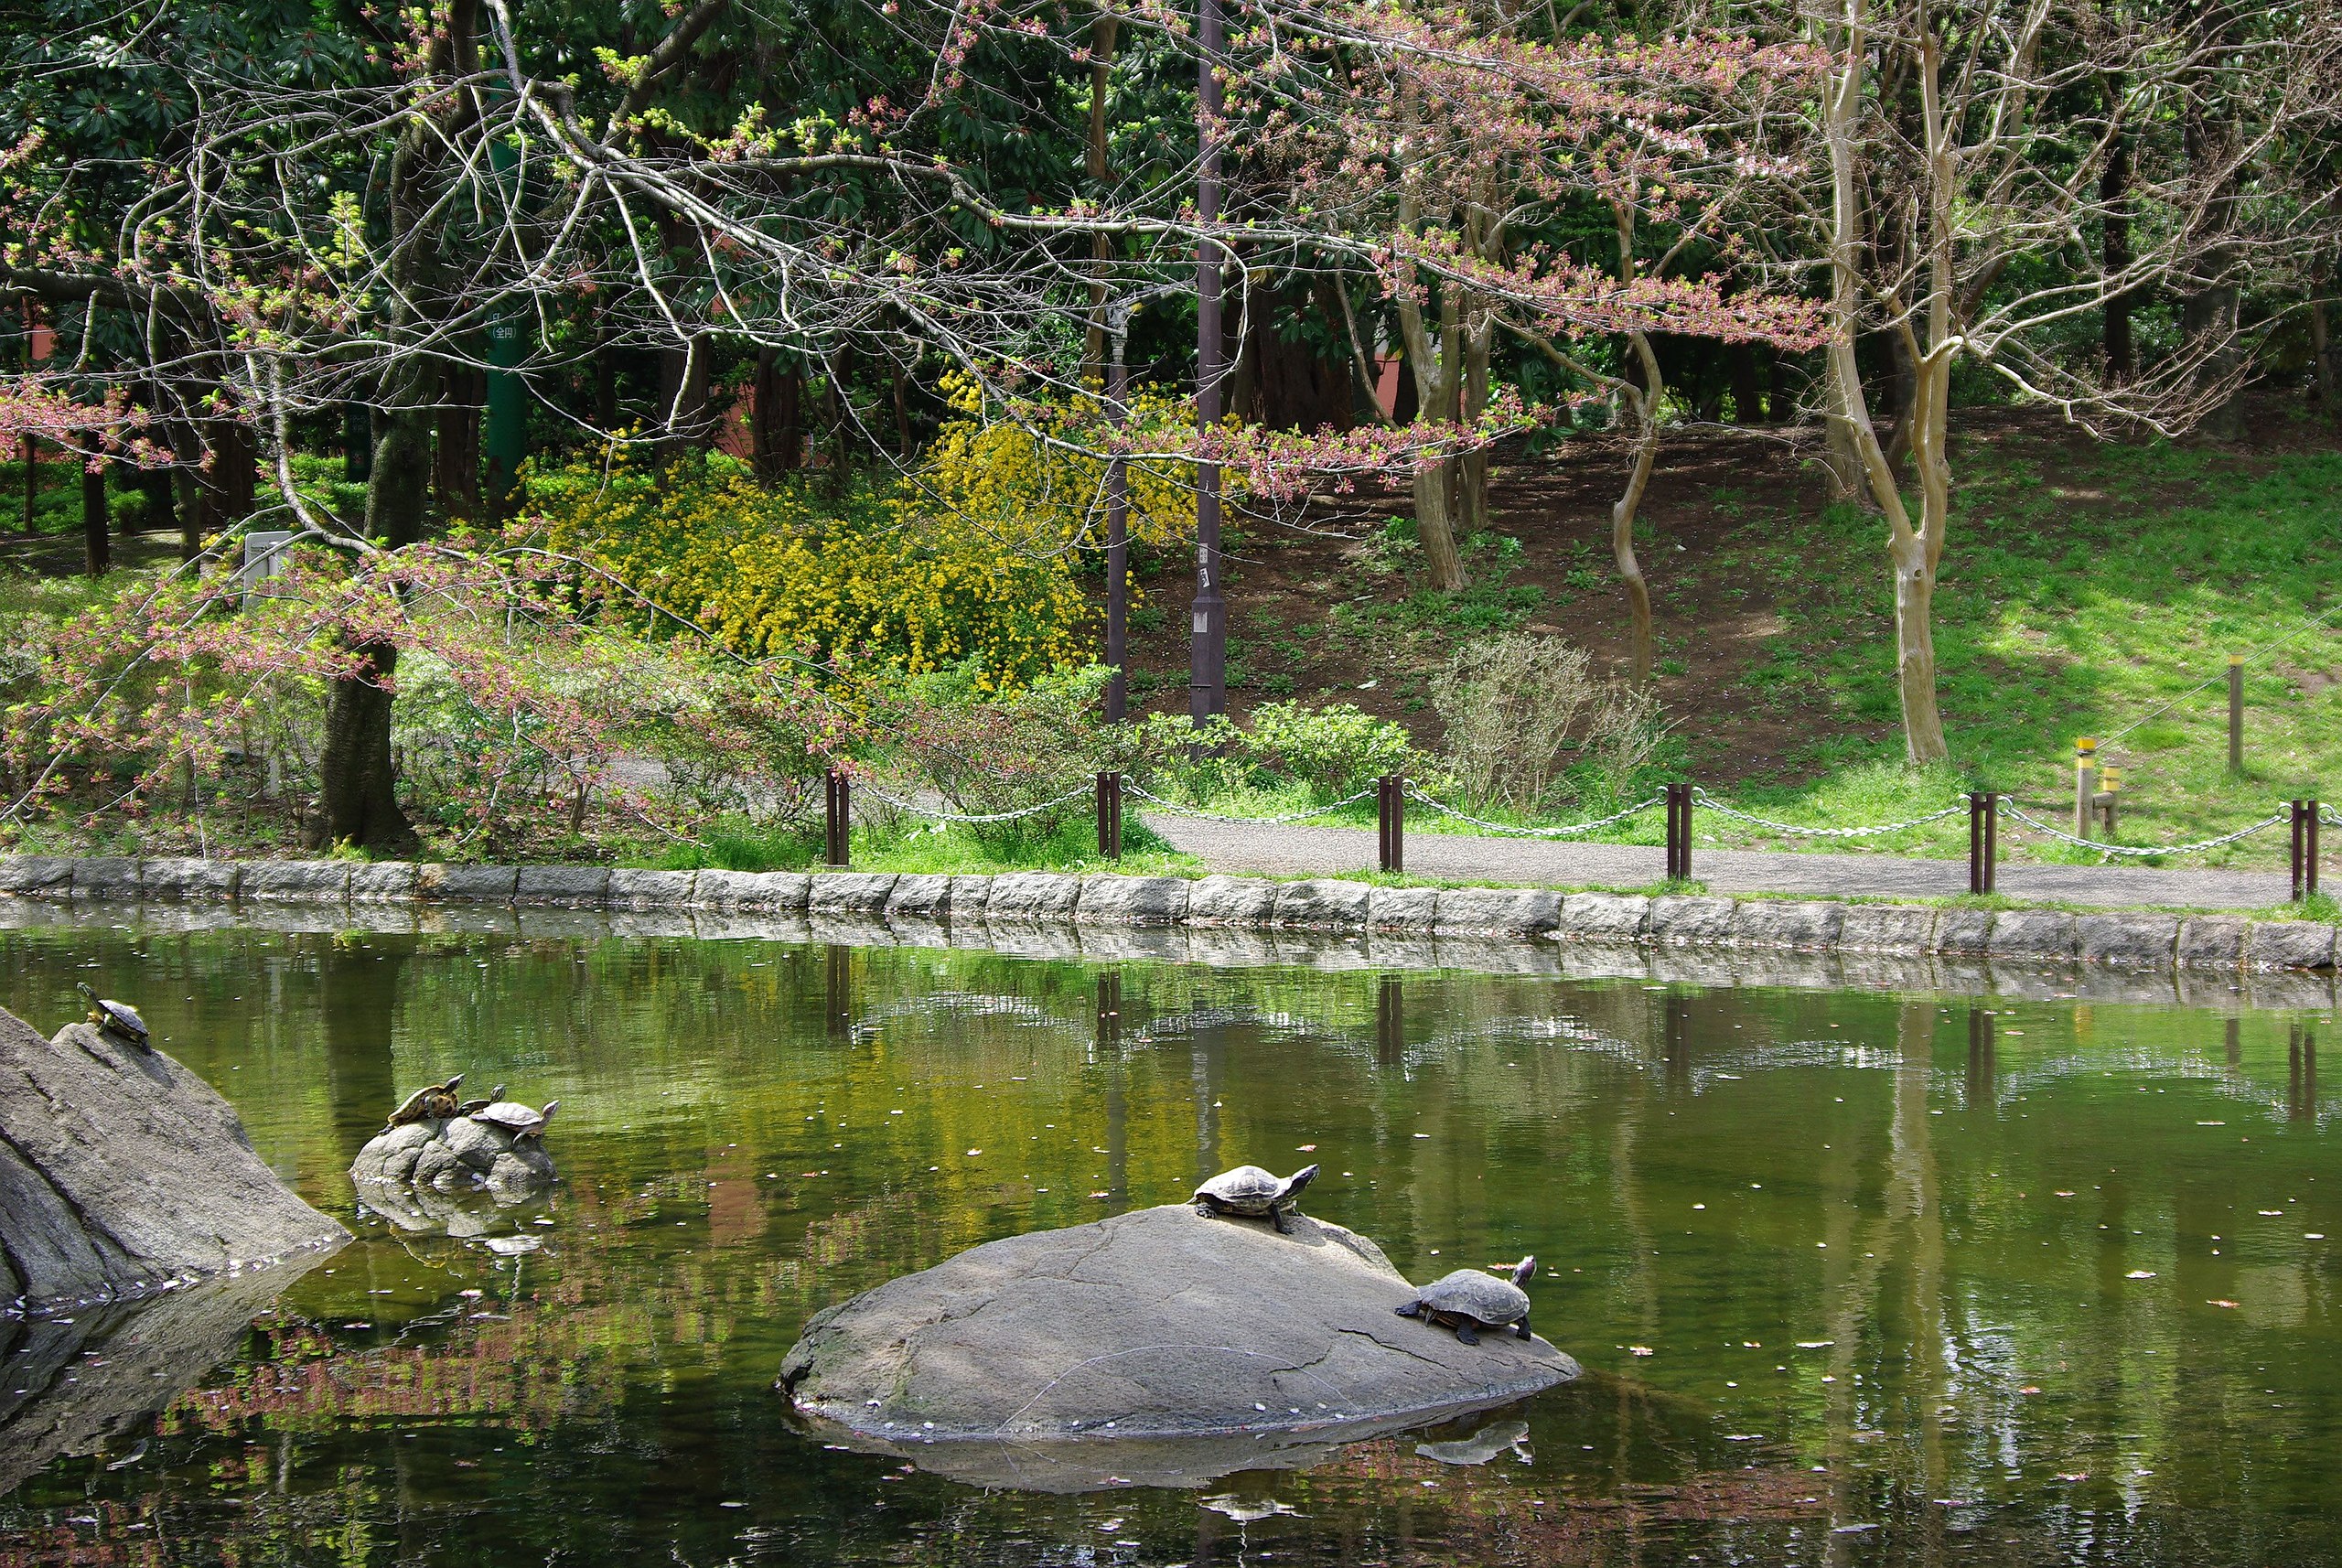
{"points": [[1856, 1278]]}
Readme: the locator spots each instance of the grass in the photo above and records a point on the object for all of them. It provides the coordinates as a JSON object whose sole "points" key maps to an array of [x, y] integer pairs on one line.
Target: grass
{"points": [[2078, 596], [912, 848]]}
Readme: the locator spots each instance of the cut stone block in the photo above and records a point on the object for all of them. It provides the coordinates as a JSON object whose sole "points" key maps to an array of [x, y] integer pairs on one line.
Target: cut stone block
{"points": [[2034, 936], [759, 892], [383, 882], [2127, 942], [468, 883], [187, 879], [1606, 917], [850, 895], [563, 887], [1132, 900], [631, 889], [915, 898], [2291, 944], [1321, 903], [1402, 908], [1805, 924], [1677, 920], [1888, 929], [1500, 911], [36, 875], [1964, 933], [1033, 896], [2213, 941], [295, 881], [109, 876], [1232, 901]]}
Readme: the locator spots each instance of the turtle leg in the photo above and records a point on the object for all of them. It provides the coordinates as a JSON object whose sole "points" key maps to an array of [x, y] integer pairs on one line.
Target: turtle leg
{"points": [[1276, 1218], [1521, 1327], [1412, 1309], [1467, 1334], [1207, 1208]]}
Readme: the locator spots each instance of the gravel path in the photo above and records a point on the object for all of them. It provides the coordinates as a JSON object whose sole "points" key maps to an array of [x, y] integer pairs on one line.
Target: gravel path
{"points": [[1302, 852]]}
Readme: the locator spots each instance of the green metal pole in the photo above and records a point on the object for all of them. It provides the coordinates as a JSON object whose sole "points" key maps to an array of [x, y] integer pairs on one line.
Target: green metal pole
{"points": [[507, 436]]}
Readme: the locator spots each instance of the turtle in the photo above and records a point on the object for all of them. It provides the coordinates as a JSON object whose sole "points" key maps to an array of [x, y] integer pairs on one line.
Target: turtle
{"points": [[1468, 1301], [521, 1120], [1252, 1192], [430, 1100], [474, 1107], [117, 1018]]}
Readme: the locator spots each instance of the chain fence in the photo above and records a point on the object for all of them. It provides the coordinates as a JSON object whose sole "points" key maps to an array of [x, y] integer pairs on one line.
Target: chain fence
{"points": [[933, 815], [2011, 809], [1509, 830], [1176, 810], [1703, 798]]}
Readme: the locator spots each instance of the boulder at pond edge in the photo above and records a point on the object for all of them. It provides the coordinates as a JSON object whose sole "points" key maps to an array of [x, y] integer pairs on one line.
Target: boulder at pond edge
{"points": [[1158, 1347], [121, 1172]]}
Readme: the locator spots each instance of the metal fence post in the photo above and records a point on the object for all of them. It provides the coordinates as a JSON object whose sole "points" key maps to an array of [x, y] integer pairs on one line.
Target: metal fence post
{"points": [[1391, 814], [2236, 712], [2300, 843], [1679, 833], [840, 818], [1110, 813], [2305, 849]]}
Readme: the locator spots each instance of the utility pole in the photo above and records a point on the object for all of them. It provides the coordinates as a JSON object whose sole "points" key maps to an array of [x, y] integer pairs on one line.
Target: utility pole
{"points": [[1208, 647], [1118, 520]]}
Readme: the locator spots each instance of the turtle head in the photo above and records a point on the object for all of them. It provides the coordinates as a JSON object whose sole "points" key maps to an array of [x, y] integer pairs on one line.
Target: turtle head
{"points": [[1295, 1182], [1523, 1269], [546, 1114], [88, 993], [449, 1086]]}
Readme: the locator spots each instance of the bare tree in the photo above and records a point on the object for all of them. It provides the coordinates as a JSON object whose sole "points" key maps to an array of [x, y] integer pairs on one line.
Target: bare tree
{"points": [[2039, 176]]}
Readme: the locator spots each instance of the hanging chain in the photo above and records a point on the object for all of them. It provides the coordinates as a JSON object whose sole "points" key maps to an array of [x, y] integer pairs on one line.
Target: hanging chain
{"points": [[1713, 804], [1506, 829], [2010, 807]]}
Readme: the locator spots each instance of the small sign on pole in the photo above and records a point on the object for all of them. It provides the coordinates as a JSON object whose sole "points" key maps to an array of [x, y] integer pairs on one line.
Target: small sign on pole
{"points": [[267, 552]]}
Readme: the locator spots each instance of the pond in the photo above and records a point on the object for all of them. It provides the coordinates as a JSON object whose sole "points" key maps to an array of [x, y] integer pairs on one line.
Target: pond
{"points": [[1856, 1277]]}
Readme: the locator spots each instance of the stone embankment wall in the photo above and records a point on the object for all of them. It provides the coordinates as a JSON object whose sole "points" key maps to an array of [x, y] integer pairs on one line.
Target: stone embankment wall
{"points": [[1593, 933]]}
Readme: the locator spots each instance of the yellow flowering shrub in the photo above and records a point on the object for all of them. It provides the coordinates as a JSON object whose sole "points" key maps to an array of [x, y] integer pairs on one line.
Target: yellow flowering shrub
{"points": [[1011, 480], [770, 571]]}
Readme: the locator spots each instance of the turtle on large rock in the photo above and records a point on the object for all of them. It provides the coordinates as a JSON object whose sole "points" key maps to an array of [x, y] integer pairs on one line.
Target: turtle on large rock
{"points": [[1255, 1194], [119, 1019], [432, 1142], [1470, 1300]]}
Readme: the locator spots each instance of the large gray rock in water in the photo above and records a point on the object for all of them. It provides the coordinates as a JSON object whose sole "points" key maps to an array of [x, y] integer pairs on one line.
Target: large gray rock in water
{"points": [[1157, 1346], [451, 1154], [121, 1172]]}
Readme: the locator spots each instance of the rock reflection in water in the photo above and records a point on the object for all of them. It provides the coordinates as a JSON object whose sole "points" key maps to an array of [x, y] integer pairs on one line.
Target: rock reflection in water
{"points": [[95, 1380]]}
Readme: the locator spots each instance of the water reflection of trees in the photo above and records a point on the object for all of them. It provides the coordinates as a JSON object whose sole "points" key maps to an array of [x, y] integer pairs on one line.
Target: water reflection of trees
{"points": [[1907, 1153]]}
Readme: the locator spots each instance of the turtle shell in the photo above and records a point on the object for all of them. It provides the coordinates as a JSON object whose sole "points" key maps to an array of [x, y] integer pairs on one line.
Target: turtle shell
{"points": [[122, 1016], [1247, 1189], [1469, 1293], [511, 1115]]}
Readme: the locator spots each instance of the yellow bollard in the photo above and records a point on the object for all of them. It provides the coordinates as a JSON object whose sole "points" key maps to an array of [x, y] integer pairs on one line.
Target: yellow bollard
{"points": [[2085, 783]]}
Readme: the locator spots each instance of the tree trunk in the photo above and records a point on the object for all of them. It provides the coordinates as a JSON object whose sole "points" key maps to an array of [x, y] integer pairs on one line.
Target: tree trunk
{"points": [[358, 802], [776, 419], [96, 547], [1105, 30], [1436, 365], [1747, 397], [30, 452], [1642, 402], [1781, 397], [2321, 350], [456, 466], [358, 799], [1474, 515]]}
